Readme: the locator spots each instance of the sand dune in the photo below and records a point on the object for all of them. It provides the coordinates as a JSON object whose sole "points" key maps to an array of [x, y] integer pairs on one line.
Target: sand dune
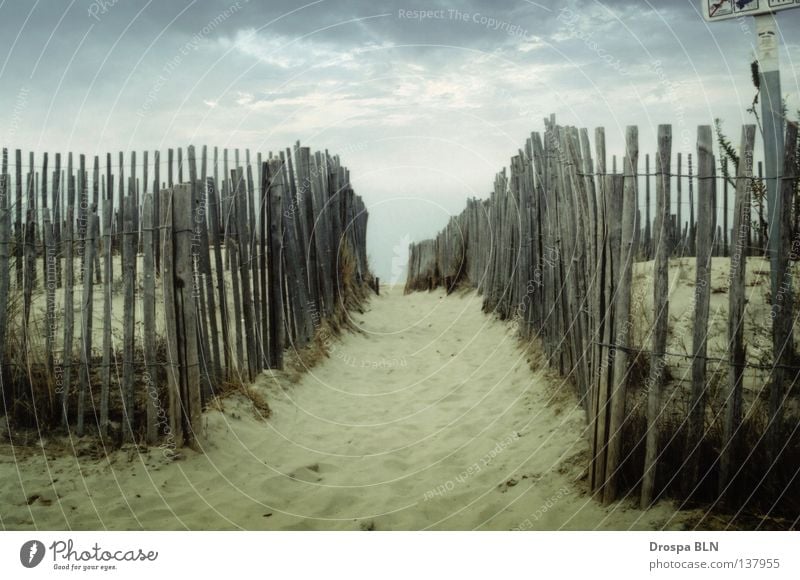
{"points": [[429, 418]]}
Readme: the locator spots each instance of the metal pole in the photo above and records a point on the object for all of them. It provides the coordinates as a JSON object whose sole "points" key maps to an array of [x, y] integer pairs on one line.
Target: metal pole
{"points": [[772, 121]]}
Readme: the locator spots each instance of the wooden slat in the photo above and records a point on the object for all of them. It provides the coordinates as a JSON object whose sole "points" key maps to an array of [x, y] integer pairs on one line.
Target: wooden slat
{"points": [[58, 202], [173, 358], [95, 210], [213, 212], [613, 193], [296, 279], [243, 225], [86, 321], [783, 376], [275, 252], [736, 304], [321, 233], [253, 247], [198, 282], [661, 311], [49, 259], [149, 320], [207, 281], [679, 194], [108, 301], [42, 207], [5, 277], [232, 247], [157, 207], [69, 312], [703, 244], [648, 237], [83, 207], [263, 220], [622, 307], [128, 317], [18, 217], [186, 314]]}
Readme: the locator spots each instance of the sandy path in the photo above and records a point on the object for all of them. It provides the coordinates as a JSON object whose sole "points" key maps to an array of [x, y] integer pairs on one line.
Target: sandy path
{"points": [[430, 418]]}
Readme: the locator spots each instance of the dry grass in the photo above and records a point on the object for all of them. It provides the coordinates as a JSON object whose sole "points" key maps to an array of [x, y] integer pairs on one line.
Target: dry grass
{"points": [[765, 489], [34, 407], [759, 486], [29, 387], [352, 296], [254, 396]]}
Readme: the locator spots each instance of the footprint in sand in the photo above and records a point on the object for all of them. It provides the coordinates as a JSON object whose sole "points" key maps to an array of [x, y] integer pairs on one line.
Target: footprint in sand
{"points": [[312, 473], [506, 485], [306, 475]]}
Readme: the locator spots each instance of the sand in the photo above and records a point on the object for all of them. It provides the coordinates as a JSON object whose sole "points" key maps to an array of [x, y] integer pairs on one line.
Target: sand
{"points": [[682, 295], [430, 417]]}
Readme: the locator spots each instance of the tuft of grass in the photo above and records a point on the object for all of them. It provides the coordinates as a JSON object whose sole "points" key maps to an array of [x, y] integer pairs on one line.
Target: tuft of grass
{"points": [[759, 489]]}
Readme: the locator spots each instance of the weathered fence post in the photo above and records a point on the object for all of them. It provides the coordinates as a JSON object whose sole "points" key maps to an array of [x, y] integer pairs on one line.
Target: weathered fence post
{"points": [[29, 256], [622, 311], [86, 319], [252, 201], [18, 216], [613, 194], [243, 229], [69, 311], [95, 210], [679, 186], [129, 316], [180, 313], [692, 223], [108, 296], [6, 397], [214, 219], [275, 251], [208, 281], [232, 246], [44, 207], [725, 231], [782, 303], [648, 238], [661, 314], [49, 253], [736, 301], [603, 312], [704, 247], [149, 319], [83, 206], [58, 202], [186, 312], [295, 275], [172, 363]]}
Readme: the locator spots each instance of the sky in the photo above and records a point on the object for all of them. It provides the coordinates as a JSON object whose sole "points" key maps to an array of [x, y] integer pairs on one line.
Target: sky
{"points": [[424, 101]]}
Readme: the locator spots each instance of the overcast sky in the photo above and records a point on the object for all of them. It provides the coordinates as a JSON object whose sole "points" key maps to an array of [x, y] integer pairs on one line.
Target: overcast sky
{"points": [[423, 111]]}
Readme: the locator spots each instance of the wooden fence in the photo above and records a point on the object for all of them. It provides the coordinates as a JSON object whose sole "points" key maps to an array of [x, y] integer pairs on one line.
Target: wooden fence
{"points": [[553, 248], [172, 288]]}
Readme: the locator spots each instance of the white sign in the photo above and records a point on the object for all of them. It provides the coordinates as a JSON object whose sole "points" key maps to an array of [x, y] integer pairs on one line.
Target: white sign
{"points": [[714, 10]]}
